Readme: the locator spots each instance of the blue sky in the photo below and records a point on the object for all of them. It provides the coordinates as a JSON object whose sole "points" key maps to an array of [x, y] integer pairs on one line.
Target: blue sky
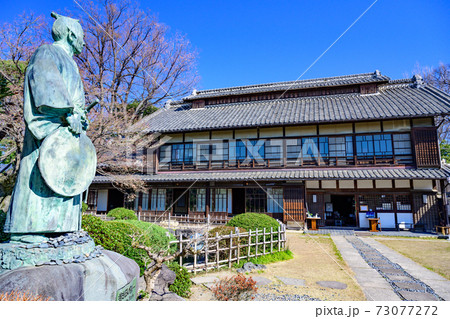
{"points": [[248, 42]]}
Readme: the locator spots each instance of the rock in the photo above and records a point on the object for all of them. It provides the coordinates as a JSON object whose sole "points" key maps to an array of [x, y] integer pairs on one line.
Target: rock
{"points": [[98, 279], [166, 277], [204, 280], [261, 281], [249, 267], [156, 297], [172, 297], [332, 284], [291, 281]]}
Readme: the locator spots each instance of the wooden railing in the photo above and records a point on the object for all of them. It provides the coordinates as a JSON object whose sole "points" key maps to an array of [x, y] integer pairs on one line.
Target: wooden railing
{"points": [[344, 161], [217, 251], [153, 217]]}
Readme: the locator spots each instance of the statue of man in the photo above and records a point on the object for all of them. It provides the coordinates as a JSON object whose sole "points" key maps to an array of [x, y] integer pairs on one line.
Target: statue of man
{"points": [[53, 99]]}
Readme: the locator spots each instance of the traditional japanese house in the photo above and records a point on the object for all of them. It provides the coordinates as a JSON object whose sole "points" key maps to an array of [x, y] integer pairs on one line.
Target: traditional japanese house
{"points": [[342, 148]]}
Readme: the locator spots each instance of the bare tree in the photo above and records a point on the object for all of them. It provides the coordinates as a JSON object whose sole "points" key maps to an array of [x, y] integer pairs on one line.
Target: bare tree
{"points": [[131, 64], [438, 77], [18, 41]]}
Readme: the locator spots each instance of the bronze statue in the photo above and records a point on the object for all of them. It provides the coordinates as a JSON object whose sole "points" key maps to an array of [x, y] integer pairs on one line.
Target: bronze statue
{"points": [[58, 159]]}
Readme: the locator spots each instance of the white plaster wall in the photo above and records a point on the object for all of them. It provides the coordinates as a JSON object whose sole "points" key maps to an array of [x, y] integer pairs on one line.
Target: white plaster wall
{"points": [[198, 136], [306, 130], [249, 133], [367, 127], [383, 184], [364, 184], [396, 125], [271, 132], [175, 138], [363, 221], [312, 184], [346, 184], [387, 220], [329, 129], [219, 135], [328, 184], [402, 183], [426, 184]]}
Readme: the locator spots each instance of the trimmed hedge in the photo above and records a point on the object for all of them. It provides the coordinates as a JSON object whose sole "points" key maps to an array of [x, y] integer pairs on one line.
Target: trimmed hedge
{"points": [[3, 236], [84, 207], [121, 213], [251, 221], [116, 236], [182, 284]]}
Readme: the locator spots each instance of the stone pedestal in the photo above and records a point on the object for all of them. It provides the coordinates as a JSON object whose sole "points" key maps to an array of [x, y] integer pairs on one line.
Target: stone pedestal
{"points": [[75, 247], [110, 276]]}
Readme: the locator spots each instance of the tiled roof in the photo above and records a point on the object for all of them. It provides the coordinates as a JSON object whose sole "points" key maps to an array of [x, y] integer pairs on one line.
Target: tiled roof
{"points": [[394, 100], [291, 85], [293, 174]]}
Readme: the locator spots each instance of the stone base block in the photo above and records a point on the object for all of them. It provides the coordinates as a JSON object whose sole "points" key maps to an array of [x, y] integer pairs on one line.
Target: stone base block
{"points": [[108, 277], [75, 247]]}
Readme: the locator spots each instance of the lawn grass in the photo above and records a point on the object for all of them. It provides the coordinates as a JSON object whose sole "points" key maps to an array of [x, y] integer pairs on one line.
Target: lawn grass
{"points": [[432, 254], [267, 259]]}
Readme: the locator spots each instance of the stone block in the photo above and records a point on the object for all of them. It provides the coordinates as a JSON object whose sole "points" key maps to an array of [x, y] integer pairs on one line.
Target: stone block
{"points": [[96, 279]]}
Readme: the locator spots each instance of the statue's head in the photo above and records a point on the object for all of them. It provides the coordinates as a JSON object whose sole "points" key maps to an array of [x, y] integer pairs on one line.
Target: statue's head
{"points": [[68, 30]]}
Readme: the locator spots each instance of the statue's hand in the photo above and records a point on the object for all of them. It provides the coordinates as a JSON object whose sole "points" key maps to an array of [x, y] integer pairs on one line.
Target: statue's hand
{"points": [[83, 118], [75, 124]]}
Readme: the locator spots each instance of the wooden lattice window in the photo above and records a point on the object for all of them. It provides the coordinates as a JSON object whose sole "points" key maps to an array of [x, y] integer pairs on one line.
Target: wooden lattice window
{"points": [[426, 147]]}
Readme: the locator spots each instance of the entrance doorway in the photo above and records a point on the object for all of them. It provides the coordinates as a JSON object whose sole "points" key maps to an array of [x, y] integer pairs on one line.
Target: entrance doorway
{"points": [[115, 199], [343, 211], [181, 206], [238, 204]]}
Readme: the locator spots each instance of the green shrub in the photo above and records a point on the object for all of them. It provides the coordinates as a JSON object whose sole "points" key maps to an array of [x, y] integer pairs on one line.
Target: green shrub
{"points": [[267, 259], [158, 236], [3, 236], [84, 207], [117, 235], [182, 284], [121, 213], [251, 221]]}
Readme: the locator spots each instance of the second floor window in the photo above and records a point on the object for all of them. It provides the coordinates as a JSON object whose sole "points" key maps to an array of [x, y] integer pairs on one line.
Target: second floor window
{"points": [[177, 153]]}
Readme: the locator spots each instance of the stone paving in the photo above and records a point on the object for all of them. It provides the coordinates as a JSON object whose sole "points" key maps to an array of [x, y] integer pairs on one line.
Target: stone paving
{"points": [[406, 286], [291, 281], [332, 284], [351, 231]]}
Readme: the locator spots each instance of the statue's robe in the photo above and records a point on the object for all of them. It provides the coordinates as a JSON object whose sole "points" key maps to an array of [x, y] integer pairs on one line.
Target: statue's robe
{"points": [[52, 89]]}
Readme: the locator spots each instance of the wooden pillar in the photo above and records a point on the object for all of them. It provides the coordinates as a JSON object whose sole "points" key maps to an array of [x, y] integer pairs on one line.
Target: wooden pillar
{"points": [[139, 202], [208, 197], [444, 201]]}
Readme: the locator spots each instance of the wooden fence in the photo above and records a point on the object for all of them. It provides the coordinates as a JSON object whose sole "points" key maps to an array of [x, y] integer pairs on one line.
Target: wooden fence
{"points": [[224, 250], [185, 219]]}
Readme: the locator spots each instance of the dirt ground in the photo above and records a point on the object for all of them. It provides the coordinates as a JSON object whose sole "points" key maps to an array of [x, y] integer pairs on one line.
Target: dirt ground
{"points": [[432, 254], [315, 259]]}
